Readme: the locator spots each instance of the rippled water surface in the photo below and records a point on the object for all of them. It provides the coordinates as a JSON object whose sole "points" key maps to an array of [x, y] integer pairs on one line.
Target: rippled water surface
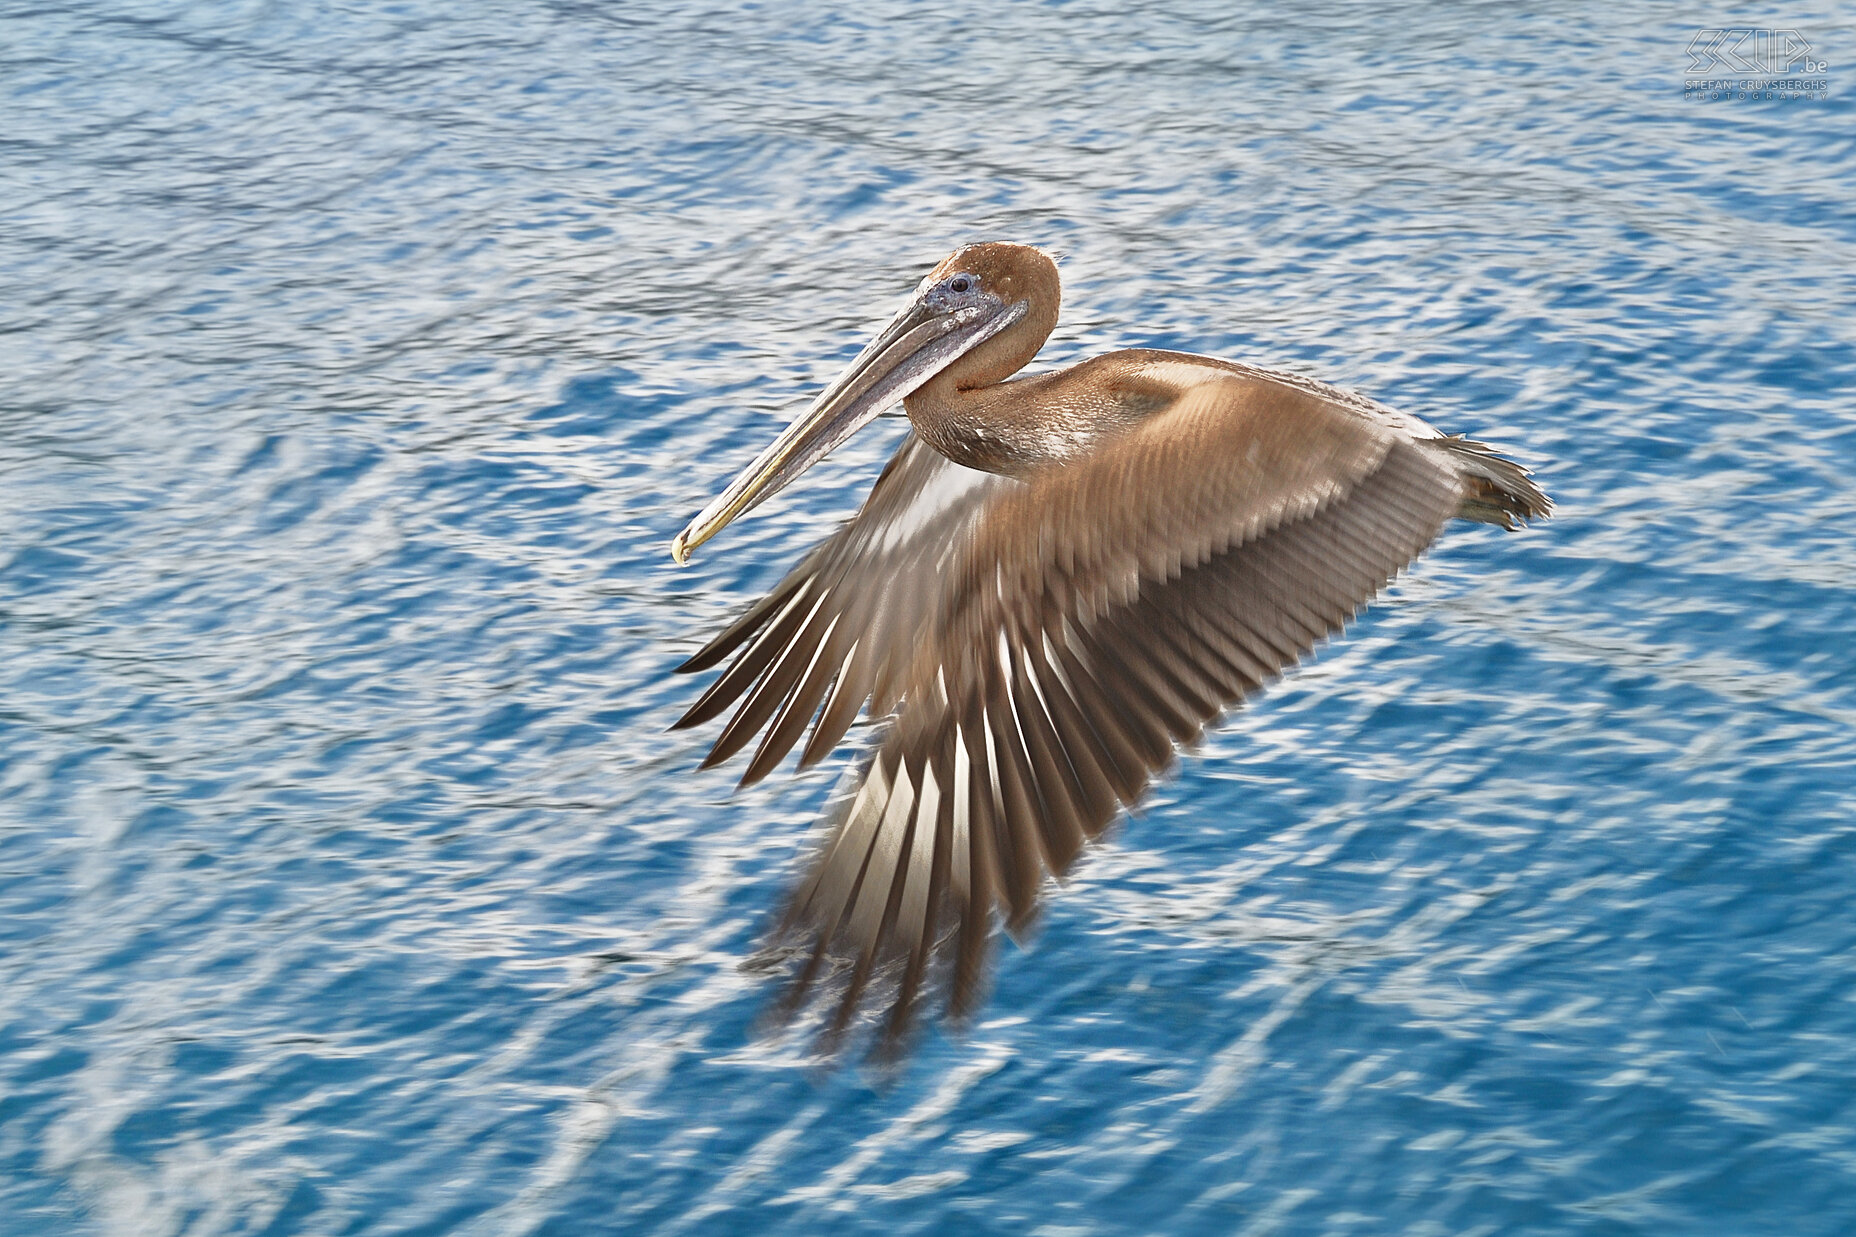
{"points": [[360, 362]]}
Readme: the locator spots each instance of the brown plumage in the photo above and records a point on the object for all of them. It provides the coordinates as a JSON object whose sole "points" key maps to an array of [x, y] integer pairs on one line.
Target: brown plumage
{"points": [[1056, 582]]}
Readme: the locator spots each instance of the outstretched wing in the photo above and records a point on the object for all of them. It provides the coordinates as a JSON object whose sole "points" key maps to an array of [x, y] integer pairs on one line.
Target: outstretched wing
{"points": [[1094, 618], [844, 626]]}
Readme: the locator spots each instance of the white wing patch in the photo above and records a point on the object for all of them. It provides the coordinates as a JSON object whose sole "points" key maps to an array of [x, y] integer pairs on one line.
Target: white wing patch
{"points": [[951, 486]]}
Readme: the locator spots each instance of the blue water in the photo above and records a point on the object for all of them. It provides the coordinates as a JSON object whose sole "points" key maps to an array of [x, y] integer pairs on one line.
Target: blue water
{"points": [[360, 363]]}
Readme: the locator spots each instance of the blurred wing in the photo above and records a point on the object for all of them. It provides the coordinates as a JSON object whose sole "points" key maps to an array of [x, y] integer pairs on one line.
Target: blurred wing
{"points": [[845, 625], [1096, 617]]}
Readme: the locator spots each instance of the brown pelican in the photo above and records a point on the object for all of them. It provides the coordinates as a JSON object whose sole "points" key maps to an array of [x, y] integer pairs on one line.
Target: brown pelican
{"points": [[1055, 583]]}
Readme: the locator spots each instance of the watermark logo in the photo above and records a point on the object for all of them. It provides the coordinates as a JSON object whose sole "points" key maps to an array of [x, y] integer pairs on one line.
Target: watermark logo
{"points": [[1753, 62]]}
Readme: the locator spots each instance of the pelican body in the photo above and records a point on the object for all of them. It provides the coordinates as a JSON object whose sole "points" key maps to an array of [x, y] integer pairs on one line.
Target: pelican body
{"points": [[1056, 582]]}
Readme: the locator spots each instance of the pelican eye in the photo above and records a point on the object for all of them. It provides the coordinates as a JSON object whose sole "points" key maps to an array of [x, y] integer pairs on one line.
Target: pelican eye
{"points": [[960, 284]]}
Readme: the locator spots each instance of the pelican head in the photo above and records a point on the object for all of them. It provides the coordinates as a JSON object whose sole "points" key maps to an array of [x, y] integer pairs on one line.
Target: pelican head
{"points": [[975, 297]]}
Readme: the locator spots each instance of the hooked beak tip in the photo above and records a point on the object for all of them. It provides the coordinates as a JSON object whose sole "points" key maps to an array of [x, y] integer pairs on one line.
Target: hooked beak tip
{"points": [[680, 550]]}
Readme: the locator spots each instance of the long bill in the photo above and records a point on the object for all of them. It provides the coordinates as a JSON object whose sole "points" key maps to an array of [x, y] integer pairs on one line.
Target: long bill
{"points": [[919, 342]]}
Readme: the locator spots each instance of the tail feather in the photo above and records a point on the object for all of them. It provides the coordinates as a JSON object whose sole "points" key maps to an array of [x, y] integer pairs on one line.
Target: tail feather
{"points": [[1496, 489]]}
